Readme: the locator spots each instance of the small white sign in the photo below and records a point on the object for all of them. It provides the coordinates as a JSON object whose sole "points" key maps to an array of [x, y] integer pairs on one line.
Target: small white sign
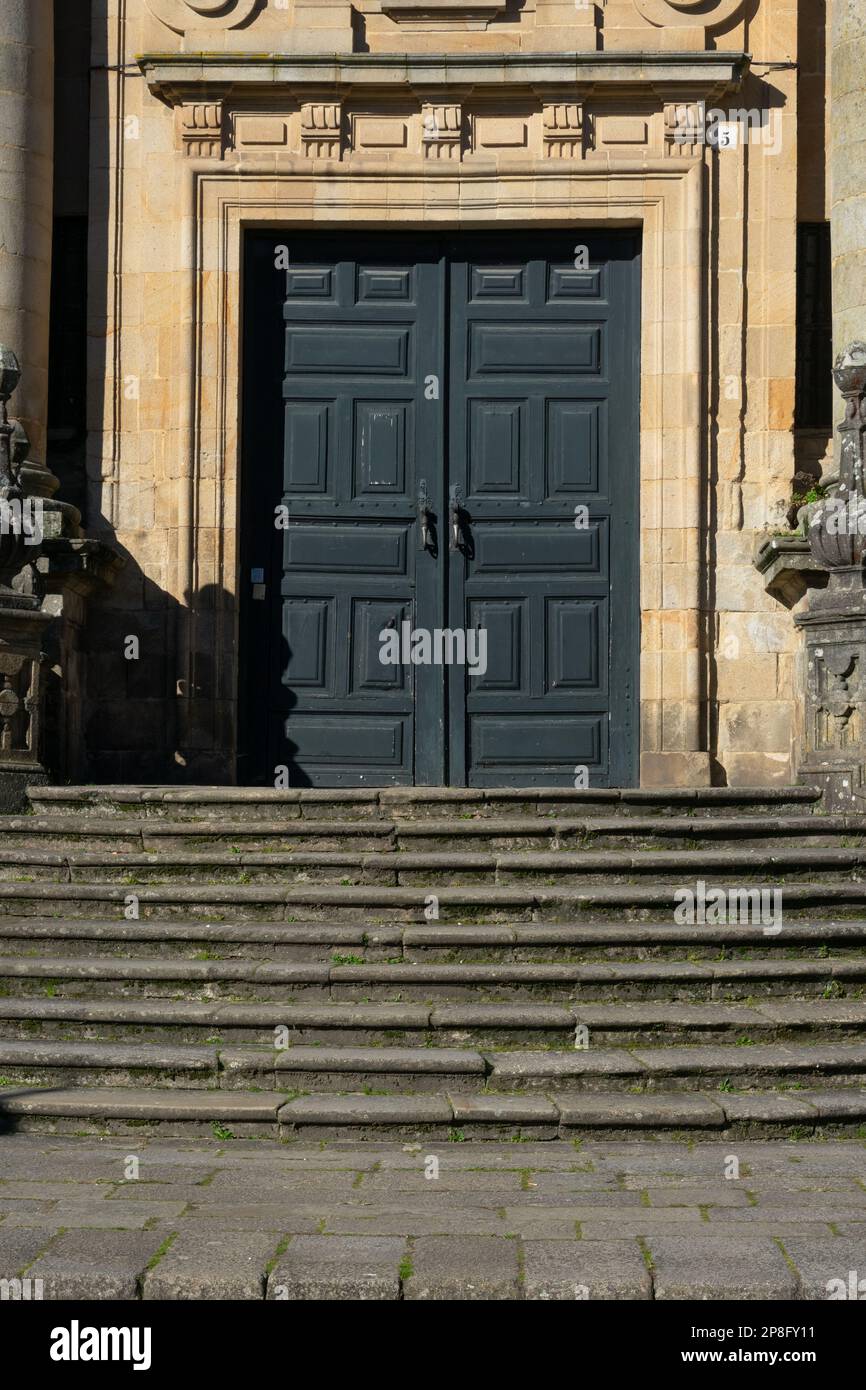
{"points": [[727, 135]]}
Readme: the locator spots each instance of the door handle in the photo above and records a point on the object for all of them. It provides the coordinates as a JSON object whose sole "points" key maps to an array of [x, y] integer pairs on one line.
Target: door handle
{"points": [[455, 517], [425, 520]]}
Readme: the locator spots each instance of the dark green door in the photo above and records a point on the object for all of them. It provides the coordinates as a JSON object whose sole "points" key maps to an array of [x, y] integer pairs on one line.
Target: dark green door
{"points": [[439, 554]]}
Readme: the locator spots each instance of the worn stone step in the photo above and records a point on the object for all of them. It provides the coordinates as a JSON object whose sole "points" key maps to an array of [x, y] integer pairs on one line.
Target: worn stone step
{"points": [[680, 1068], [334, 944], [501, 833], [413, 802], [376, 904], [740, 1068], [485, 1025], [228, 1113], [369, 1070], [256, 979], [44, 1063], [342, 943], [89, 1063], [791, 862]]}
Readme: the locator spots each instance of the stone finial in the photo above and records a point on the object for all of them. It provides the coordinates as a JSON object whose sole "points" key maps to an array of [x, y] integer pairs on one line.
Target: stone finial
{"points": [[849, 370], [17, 547], [837, 525], [10, 375]]}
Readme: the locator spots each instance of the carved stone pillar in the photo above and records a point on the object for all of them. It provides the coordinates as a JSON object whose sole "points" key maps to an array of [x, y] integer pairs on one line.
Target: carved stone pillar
{"points": [[26, 200], [847, 61]]}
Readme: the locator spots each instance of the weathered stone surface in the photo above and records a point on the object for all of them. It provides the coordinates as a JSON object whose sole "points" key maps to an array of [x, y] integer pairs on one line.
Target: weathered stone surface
{"points": [[514, 1067], [103, 1264], [364, 1110], [378, 1059], [643, 1111], [469, 1268], [741, 1267], [20, 1247], [503, 1109], [339, 1267], [577, 1269], [218, 1265]]}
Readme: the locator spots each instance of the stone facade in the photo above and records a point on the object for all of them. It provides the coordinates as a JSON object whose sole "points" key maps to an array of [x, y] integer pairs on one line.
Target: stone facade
{"points": [[208, 118]]}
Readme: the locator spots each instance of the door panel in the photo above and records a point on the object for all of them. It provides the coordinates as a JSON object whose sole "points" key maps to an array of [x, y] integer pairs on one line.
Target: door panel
{"points": [[485, 377], [361, 331], [543, 357]]}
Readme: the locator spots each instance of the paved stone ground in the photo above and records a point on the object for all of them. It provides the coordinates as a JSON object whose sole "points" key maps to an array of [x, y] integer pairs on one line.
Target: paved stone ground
{"points": [[243, 1219]]}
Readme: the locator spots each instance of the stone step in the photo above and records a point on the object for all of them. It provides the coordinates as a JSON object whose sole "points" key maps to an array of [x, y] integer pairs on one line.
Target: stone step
{"points": [[378, 904], [345, 944], [491, 833], [369, 1070], [413, 802], [242, 978], [765, 868], [182, 1021], [568, 1114]]}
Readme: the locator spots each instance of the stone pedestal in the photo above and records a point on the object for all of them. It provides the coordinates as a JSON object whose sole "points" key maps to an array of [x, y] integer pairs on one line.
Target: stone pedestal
{"points": [[834, 740], [834, 752], [71, 570], [22, 630]]}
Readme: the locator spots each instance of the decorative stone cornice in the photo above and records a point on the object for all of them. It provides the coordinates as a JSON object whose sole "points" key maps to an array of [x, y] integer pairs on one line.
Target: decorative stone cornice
{"points": [[180, 77]]}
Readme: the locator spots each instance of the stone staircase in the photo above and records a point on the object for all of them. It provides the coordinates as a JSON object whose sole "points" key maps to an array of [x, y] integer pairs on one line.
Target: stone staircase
{"points": [[459, 964]]}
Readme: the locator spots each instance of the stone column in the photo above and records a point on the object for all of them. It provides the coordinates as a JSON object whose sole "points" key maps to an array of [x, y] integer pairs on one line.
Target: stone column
{"points": [[848, 170], [26, 189]]}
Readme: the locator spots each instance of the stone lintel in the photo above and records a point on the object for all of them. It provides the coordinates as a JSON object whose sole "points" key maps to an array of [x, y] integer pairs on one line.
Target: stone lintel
{"points": [[178, 79]]}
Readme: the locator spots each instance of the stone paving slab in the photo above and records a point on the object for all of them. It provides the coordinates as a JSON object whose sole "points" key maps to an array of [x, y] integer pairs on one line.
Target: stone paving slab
{"points": [[572, 1269], [216, 1264], [432, 1220], [731, 1268], [96, 1264], [463, 1267], [339, 1267]]}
